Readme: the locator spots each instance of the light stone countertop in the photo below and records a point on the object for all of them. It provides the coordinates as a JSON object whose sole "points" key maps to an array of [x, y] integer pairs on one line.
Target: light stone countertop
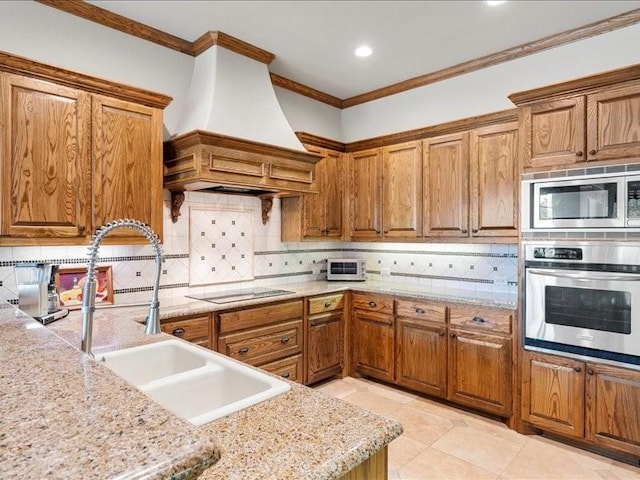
{"points": [[302, 434], [63, 415]]}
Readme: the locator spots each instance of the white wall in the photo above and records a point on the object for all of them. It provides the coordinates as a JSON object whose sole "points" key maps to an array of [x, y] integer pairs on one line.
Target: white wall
{"points": [[307, 115], [486, 90], [42, 33]]}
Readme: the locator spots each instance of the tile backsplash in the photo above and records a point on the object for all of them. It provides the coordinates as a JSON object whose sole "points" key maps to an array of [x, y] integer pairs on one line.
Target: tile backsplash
{"points": [[219, 243]]}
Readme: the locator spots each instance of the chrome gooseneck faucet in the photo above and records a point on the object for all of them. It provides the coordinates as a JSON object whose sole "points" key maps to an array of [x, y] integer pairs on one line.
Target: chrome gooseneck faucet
{"points": [[89, 292]]}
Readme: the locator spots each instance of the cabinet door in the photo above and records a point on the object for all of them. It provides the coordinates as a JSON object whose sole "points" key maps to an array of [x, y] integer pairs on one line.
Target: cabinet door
{"points": [[613, 408], [421, 356], [494, 181], [446, 173], [45, 159], [373, 341], [402, 190], [366, 191], [313, 220], [553, 133], [333, 191], [613, 119], [127, 165], [325, 346], [553, 393], [480, 371], [289, 368]]}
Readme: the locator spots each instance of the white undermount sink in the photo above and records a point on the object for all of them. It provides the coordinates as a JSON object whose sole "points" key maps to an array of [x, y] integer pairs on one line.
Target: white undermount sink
{"points": [[199, 385]]}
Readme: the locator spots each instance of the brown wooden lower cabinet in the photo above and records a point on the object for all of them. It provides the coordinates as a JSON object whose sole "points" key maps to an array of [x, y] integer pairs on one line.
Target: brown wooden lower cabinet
{"points": [[193, 329], [593, 402], [480, 371], [421, 355], [373, 344], [325, 345]]}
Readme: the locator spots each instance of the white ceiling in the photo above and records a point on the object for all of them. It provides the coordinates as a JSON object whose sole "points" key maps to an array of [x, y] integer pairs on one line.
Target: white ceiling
{"points": [[314, 40]]}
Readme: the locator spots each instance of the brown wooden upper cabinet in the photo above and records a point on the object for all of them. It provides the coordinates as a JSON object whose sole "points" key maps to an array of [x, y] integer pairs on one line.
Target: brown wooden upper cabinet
{"points": [[446, 187], [386, 192], [318, 216], [45, 159], [580, 121], [494, 181], [74, 160]]}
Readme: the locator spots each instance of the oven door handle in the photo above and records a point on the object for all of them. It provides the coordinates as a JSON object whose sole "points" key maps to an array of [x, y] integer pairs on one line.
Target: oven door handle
{"points": [[548, 273]]}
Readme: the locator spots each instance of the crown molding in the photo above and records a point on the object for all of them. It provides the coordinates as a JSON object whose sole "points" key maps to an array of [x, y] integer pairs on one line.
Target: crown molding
{"points": [[221, 39], [90, 12], [140, 30], [301, 89], [322, 142], [551, 41]]}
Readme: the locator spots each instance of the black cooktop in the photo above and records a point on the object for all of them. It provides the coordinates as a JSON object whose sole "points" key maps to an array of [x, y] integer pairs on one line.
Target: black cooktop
{"points": [[238, 295]]}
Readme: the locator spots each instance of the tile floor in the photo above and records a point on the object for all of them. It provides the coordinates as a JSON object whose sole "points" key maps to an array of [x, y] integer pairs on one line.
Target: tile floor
{"points": [[441, 442]]}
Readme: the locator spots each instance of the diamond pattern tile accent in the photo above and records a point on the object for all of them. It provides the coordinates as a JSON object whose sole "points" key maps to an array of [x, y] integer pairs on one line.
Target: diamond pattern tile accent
{"points": [[221, 245]]}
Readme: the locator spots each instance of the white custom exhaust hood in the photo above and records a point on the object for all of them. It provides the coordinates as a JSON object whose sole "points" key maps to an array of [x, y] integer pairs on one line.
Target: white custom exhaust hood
{"points": [[233, 135]]}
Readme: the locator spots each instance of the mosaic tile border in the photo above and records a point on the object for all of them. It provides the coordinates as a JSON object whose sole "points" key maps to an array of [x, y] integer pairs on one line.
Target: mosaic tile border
{"points": [[70, 261], [399, 252], [282, 275], [149, 289]]}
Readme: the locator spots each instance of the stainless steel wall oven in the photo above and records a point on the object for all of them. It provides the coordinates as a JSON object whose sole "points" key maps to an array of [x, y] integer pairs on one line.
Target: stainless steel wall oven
{"points": [[583, 299]]}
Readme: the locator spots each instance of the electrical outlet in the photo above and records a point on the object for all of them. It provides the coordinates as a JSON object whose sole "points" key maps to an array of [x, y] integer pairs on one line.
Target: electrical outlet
{"points": [[385, 272], [316, 269]]}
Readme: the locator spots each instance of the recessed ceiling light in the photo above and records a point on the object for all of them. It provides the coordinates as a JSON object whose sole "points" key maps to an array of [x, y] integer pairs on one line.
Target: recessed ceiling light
{"points": [[493, 3], [363, 51]]}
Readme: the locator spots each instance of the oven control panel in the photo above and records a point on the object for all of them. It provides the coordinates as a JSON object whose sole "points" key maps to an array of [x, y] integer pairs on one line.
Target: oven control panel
{"points": [[560, 253]]}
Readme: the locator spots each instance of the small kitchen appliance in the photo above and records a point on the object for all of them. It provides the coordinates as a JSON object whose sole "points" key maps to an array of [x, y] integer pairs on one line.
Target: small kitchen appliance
{"points": [[36, 292], [346, 269]]}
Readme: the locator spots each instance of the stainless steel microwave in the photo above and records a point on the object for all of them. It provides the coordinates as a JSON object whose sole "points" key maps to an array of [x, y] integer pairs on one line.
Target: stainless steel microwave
{"points": [[589, 202], [349, 269]]}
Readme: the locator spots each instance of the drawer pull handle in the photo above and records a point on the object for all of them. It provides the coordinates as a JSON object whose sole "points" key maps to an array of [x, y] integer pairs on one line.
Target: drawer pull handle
{"points": [[284, 340], [243, 350], [420, 311], [373, 304], [327, 304], [286, 375], [178, 332], [478, 320]]}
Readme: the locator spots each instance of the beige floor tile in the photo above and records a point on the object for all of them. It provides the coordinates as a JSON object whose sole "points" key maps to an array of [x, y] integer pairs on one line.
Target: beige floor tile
{"points": [[373, 402], [623, 471], [402, 450], [394, 475], [542, 458], [358, 383], [437, 408], [423, 427], [433, 464], [336, 388], [391, 393], [488, 451]]}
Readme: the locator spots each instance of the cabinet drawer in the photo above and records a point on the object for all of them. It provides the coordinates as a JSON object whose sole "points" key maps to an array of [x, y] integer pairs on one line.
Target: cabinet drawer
{"points": [[191, 329], [433, 312], [263, 345], [325, 303], [373, 303], [259, 316], [483, 318], [289, 368]]}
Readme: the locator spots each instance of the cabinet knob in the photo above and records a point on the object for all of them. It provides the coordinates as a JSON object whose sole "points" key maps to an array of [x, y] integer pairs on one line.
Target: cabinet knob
{"points": [[420, 311], [373, 304], [325, 231], [578, 369], [243, 350], [327, 304], [81, 229], [579, 153], [464, 230], [386, 231], [284, 340], [590, 371], [377, 231], [286, 375], [592, 152], [475, 230], [441, 333], [478, 320], [452, 335], [178, 332]]}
